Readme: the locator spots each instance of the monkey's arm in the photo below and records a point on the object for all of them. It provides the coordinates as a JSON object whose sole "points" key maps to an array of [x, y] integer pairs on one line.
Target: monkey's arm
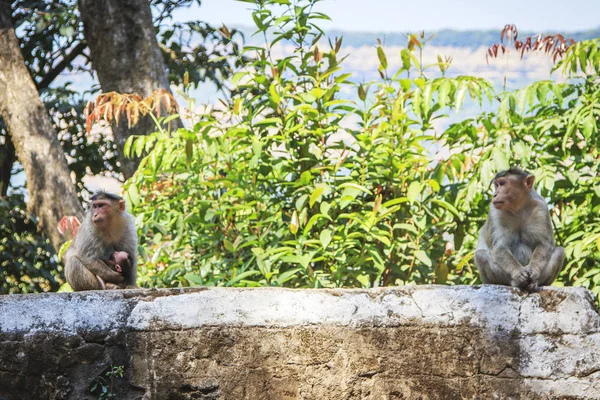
{"points": [[540, 257], [100, 269], [541, 228], [81, 278], [505, 259]]}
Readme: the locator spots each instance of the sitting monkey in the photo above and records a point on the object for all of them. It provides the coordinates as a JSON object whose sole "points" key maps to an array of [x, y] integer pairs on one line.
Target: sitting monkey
{"points": [[516, 244], [103, 254]]}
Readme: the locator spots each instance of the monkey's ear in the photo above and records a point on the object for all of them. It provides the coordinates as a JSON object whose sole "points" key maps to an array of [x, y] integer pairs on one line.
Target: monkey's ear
{"points": [[529, 181], [121, 205]]}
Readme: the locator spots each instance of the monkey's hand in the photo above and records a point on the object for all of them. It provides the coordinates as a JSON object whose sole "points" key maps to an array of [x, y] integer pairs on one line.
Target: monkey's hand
{"points": [[115, 267], [534, 277], [524, 279]]}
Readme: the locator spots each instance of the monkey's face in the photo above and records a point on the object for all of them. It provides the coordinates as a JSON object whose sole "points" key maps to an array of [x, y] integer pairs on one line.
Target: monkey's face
{"points": [[510, 193], [102, 213]]}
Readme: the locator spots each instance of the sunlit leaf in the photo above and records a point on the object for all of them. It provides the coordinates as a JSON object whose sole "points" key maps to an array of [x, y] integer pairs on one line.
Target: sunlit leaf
{"points": [[422, 256], [325, 237]]}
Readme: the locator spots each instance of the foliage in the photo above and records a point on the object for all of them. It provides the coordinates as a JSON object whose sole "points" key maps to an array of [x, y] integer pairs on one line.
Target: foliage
{"points": [[291, 183], [555, 45], [52, 37], [103, 385], [552, 130], [27, 261], [200, 52], [87, 154]]}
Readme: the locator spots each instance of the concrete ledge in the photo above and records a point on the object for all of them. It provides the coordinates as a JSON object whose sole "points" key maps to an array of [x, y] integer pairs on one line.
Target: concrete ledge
{"points": [[409, 342]]}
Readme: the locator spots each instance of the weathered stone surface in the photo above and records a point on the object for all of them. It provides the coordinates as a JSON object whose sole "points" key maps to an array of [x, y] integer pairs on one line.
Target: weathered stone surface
{"points": [[426, 342]]}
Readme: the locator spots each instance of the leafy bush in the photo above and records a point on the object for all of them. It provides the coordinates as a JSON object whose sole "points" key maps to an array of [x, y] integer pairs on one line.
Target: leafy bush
{"points": [[27, 261], [294, 185], [293, 182], [552, 130]]}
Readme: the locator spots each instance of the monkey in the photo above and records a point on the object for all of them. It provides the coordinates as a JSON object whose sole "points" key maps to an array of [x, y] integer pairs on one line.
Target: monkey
{"points": [[105, 243], [516, 244], [120, 259]]}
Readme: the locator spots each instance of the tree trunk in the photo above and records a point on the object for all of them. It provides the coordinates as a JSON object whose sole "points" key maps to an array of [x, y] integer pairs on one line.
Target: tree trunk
{"points": [[51, 192], [126, 56], [7, 159]]}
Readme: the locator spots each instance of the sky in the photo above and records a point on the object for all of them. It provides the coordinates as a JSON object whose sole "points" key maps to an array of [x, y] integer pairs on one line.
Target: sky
{"points": [[547, 16]]}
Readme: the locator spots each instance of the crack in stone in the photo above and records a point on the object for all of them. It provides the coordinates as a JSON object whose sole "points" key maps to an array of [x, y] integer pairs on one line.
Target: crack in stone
{"points": [[369, 374], [417, 305], [590, 373]]}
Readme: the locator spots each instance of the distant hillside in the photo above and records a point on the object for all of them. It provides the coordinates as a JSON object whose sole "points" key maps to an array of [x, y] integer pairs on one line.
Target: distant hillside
{"points": [[446, 37]]}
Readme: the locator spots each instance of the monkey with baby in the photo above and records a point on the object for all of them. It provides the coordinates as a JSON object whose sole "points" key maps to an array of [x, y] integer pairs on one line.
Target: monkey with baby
{"points": [[103, 254]]}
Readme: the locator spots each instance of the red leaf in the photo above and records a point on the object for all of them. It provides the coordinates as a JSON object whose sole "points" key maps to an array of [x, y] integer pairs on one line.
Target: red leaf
{"points": [[68, 223]]}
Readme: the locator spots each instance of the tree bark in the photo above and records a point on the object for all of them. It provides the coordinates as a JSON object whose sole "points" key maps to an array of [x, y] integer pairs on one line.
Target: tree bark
{"points": [[7, 159], [51, 192], [126, 56]]}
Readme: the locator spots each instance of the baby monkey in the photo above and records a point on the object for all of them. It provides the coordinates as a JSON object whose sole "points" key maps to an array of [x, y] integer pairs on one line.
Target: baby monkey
{"points": [[118, 261], [516, 244]]}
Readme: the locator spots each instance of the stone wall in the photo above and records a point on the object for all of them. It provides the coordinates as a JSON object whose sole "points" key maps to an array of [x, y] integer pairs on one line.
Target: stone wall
{"points": [[425, 342]]}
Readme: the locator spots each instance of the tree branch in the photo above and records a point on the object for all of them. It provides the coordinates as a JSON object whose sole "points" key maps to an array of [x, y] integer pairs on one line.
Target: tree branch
{"points": [[60, 67]]}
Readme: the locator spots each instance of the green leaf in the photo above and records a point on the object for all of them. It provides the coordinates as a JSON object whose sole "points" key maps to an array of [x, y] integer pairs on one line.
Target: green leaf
{"points": [[405, 84], [324, 208], [355, 186], [133, 195], [316, 194], [63, 248], [395, 201], [441, 272], [362, 93], [348, 196], [589, 126], [422, 256], [325, 238], [447, 206], [294, 222], [275, 98], [383, 64], [443, 92], [405, 56], [383, 239], [303, 260], [312, 221], [416, 102], [235, 79], [257, 147], [288, 275], [460, 95], [228, 246], [66, 30], [500, 160], [427, 94], [301, 201], [406, 227], [195, 279], [243, 275], [414, 189], [269, 121]]}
